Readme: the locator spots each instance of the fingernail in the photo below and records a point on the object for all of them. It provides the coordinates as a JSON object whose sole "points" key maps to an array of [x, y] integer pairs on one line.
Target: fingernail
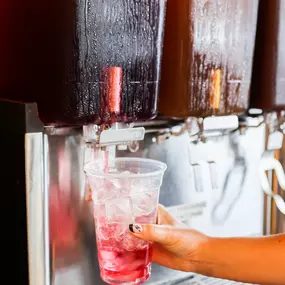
{"points": [[134, 228]]}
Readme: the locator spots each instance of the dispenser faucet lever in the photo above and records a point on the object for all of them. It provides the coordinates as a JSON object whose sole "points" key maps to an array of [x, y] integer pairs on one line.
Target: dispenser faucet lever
{"points": [[115, 135]]}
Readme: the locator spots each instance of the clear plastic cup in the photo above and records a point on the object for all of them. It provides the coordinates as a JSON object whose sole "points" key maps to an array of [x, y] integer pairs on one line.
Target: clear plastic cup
{"points": [[126, 193]]}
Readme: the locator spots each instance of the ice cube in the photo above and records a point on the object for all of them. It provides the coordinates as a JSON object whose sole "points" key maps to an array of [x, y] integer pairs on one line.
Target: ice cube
{"points": [[144, 202], [130, 243], [102, 231], [104, 193], [111, 231], [107, 255], [110, 260], [118, 230], [123, 181], [136, 264], [135, 260], [119, 210], [99, 211]]}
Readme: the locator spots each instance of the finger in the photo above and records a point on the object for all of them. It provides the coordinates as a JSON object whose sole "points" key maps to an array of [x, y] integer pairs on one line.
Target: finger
{"points": [[161, 234]]}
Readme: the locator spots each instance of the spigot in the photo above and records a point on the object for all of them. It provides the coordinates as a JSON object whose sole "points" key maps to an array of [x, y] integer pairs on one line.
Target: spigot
{"points": [[253, 119], [91, 133], [203, 129], [116, 134]]}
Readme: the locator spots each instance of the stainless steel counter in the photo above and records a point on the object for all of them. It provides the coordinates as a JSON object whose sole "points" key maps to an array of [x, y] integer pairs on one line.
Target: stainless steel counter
{"points": [[202, 280]]}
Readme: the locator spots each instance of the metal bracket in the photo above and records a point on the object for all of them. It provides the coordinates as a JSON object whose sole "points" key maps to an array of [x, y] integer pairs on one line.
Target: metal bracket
{"points": [[271, 164]]}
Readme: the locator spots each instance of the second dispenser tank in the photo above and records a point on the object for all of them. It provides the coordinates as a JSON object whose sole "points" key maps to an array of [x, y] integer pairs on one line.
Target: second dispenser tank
{"points": [[207, 57]]}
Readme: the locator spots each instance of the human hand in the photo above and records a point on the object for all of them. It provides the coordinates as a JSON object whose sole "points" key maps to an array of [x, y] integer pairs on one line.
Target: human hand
{"points": [[175, 246]]}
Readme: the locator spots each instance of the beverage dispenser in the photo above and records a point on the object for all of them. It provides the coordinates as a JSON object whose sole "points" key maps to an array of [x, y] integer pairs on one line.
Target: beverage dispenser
{"points": [[268, 79], [92, 68]]}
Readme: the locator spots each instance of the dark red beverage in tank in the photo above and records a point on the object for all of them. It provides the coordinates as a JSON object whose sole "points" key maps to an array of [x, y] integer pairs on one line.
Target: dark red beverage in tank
{"points": [[55, 52]]}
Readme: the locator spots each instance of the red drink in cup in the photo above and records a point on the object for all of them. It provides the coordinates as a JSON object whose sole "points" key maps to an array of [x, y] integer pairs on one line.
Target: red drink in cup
{"points": [[126, 194]]}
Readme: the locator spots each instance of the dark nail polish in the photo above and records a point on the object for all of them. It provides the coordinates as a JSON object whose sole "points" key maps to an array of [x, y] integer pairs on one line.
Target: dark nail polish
{"points": [[131, 228], [134, 228]]}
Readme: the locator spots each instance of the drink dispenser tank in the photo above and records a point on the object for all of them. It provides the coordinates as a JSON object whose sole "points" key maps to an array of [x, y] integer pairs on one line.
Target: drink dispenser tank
{"points": [[268, 82], [64, 55], [207, 57]]}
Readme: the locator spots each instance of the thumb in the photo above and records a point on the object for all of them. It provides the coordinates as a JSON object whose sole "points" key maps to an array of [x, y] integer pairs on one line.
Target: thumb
{"points": [[162, 234]]}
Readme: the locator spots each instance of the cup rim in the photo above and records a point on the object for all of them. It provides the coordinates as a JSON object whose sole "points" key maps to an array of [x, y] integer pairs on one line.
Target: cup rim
{"points": [[160, 165]]}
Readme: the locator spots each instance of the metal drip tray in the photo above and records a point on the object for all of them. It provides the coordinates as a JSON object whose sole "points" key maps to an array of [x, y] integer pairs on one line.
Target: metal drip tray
{"points": [[202, 280]]}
